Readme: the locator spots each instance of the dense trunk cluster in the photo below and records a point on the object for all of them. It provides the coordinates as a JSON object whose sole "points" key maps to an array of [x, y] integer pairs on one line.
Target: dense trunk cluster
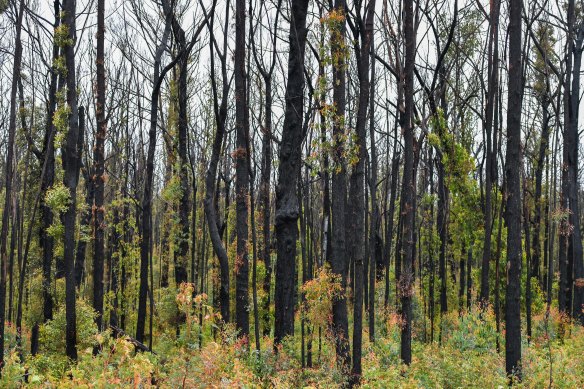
{"points": [[289, 170]]}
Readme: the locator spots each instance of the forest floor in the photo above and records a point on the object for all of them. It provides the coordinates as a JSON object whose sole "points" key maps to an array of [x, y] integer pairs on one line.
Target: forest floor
{"points": [[463, 354]]}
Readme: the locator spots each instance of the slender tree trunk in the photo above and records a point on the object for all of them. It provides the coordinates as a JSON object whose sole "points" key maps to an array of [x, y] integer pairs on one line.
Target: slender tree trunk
{"points": [[242, 175], [469, 279], [115, 259], [498, 276], [9, 173], [85, 221], [14, 234], [432, 263], [357, 201], [99, 169], [166, 224], [528, 261], [146, 219], [374, 232], [462, 280], [303, 255], [566, 235], [408, 187], [256, 316], [491, 156], [181, 246], [390, 216], [47, 181], [540, 164], [442, 224], [210, 201], [265, 202]]}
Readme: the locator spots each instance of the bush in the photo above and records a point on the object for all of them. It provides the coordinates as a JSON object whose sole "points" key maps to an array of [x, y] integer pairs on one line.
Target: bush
{"points": [[52, 333]]}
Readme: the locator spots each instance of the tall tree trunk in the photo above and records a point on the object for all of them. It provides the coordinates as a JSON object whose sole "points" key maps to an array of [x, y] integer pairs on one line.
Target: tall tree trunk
{"points": [[9, 173], [71, 164], [303, 200], [374, 233], [14, 234], [146, 221], [442, 225], [432, 263], [571, 140], [540, 164], [47, 181], [528, 261], [491, 155], [289, 156], [166, 222], [357, 201], [266, 169], [408, 187], [242, 175], [210, 203], [338, 255], [99, 169], [181, 246], [497, 306], [115, 260], [513, 207], [389, 216], [264, 201]]}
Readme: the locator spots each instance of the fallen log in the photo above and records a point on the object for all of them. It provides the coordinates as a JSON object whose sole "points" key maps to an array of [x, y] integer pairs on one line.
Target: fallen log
{"points": [[117, 331]]}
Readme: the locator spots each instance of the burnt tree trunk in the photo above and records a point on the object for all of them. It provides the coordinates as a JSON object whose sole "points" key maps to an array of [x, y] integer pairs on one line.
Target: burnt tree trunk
{"points": [[9, 173], [287, 208], [571, 141], [491, 155], [357, 201], [338, 255], [210, 203], [146, 222], [71, 164], [47, 181], [241, 175], [513, 207], [181, 246], [98, 178], [405, 281], [374, 232]]}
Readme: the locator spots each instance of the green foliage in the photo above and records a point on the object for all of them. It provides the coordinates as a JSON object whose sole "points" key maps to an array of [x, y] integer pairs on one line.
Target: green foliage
{"points": [[466, 356], [172, 192], [62, 38], [320, 293], [167, 309], [58, 198], [52, 333], [12, 371], [61, 118], [60, 66], [546, 39], [336, 52], [474, 331], [458, 164]]}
